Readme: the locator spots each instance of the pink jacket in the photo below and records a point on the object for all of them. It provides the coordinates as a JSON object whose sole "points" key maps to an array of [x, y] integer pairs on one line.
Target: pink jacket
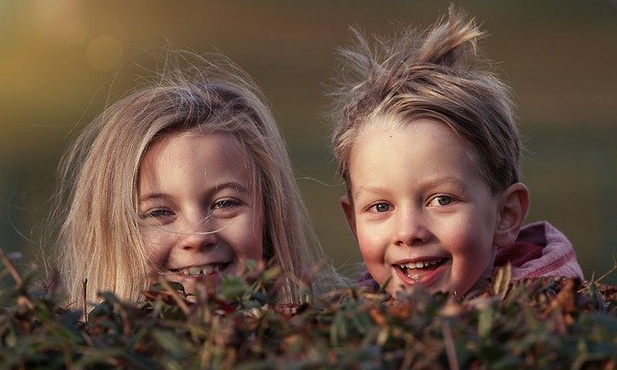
{"points": [[540, 250]]}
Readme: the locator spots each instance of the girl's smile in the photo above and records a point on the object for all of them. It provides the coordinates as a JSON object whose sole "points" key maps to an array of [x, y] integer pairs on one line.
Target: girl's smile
{"points": [[208, 275], [201, 213]]}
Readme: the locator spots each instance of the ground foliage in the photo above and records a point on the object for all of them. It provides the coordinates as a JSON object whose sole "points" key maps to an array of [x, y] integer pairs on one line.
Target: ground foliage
{"points": [[548, 323]]}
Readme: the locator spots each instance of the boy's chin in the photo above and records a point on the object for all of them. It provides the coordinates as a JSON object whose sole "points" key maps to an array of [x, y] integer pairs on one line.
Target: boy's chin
{"points": [[398, 288], [404, 290]]}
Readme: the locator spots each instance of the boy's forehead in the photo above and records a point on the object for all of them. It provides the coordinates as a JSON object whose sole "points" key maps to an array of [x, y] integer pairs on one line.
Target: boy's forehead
{"points": [[388, 123], [383, 121], [381, 132]]}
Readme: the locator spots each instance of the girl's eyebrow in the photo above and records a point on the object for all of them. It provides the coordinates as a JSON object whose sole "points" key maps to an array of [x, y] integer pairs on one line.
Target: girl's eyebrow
{"points": [[240, 188], [153, 196], [233, 185]]}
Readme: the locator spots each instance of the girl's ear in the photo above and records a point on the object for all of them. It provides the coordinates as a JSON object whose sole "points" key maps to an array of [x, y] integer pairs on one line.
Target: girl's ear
{"points": [[347, 205], [514, 206]]}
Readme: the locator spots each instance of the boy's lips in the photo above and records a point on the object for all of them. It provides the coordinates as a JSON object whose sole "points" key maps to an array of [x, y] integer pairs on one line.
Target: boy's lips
{"points": [[420, 271]]}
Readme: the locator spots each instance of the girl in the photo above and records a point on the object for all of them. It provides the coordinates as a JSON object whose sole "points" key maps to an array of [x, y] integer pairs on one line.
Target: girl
{"points": [[187, 180], [427, 144]]}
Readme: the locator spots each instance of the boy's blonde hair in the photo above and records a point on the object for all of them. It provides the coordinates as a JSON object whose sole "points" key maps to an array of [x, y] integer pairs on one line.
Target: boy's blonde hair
{"points": [[97, 206], [435, 74]]}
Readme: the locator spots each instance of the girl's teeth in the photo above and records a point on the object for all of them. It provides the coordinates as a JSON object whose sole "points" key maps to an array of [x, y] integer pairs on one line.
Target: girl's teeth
{"points": [[200, 270]]}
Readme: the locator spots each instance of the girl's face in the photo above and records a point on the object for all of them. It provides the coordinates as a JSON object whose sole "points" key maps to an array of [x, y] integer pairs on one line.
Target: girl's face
{"points": [[420, 210], [201, 216]]}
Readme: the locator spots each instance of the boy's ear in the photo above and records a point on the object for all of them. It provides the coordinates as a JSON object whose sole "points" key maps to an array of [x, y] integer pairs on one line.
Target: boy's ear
{"points": [[347, 205], [513, 210]]}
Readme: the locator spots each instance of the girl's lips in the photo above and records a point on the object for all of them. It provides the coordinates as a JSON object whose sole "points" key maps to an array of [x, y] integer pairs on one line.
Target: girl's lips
{"points": [[203, 278], [424, 272], [201, 270]]}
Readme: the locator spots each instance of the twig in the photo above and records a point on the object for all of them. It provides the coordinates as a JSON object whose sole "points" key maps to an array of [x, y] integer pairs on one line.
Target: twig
{"points": [[613, 269], [449, 344], [176, 297], [9, 266], [84, 296]]}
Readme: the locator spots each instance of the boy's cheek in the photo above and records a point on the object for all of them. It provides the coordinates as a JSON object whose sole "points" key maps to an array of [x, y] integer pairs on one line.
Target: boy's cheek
{"points": [[373, 256], [365, 249], [373, 238]]}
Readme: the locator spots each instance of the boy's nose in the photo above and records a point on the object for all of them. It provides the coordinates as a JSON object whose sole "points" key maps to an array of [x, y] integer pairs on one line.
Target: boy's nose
{"points": [[411, 229]]}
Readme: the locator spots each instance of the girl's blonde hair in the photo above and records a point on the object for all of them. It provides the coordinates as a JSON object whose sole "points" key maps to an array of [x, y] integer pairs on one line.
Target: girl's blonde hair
{"points": [[436, 74], [99, 236]]}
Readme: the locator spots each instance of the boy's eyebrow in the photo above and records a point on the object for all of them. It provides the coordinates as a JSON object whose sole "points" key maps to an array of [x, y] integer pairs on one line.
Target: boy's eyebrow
{"points": [[367, 189], [379, 189], [442, 180]]}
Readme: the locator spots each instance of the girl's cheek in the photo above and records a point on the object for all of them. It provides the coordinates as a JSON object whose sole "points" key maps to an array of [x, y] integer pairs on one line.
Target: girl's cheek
{"points": [[156, 246]]}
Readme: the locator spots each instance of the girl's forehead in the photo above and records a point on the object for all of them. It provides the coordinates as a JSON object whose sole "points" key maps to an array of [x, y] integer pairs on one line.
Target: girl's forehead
{"points": [[183, 159], [201, 141], [198, 133]]}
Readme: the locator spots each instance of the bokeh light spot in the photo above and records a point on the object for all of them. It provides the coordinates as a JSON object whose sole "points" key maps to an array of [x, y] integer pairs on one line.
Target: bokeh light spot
{"points": [[105, 53]]}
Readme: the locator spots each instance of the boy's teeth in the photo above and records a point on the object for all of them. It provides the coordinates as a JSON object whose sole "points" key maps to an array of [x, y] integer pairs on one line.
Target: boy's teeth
{"points": [[420, 264]]}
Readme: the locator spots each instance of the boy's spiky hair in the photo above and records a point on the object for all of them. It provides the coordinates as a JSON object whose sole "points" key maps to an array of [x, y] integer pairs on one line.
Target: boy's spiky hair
{"points": [[436, 74]]}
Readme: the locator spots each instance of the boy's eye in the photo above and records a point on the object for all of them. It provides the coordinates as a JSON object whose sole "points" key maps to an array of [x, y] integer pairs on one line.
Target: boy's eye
{"points": [[441, 200], [381, 207]]}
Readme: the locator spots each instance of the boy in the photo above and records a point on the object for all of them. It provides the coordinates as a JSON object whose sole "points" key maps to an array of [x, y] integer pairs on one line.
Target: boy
{"points": [[426, 142]]}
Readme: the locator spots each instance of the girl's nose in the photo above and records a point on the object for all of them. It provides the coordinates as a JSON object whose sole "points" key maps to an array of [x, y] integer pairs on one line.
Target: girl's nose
{"points": [[199, 235], [411, 229]]}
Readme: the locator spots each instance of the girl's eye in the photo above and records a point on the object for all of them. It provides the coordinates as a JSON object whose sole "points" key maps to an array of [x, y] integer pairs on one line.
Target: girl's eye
{"points": [[225, 203], [381, 207], [157, 213], [158, 216], [441, 200]]}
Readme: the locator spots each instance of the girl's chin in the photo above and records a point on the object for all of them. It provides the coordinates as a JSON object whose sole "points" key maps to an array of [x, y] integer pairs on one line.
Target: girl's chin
{"points": [[204, 284]]}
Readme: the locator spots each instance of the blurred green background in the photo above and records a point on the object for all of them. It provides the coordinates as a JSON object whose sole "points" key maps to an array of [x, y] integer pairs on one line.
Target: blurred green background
{"points": [[61, 61]]}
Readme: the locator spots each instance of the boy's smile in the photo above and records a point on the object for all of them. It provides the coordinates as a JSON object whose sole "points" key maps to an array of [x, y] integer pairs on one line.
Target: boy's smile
{"points": [[419, 208]]}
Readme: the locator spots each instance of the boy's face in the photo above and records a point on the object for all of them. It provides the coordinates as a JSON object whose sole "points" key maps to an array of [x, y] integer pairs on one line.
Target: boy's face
{"points": [[420, 210], [201, 216]]}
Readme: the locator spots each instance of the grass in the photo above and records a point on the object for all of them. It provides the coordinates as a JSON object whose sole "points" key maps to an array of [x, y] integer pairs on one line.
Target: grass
{"points": [[548, 323]]}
